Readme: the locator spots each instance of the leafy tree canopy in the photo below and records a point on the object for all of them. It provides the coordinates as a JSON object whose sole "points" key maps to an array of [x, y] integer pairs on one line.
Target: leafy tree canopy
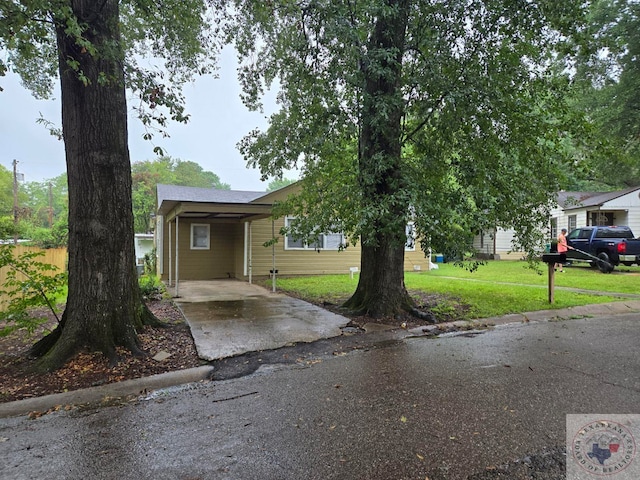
{"points": [[607, 85], [6, 191], [147, 174], [46, 201], [278, 183], [475, 85], [165, 45]]}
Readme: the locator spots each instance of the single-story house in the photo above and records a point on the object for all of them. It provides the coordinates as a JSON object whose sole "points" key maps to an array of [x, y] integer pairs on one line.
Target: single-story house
{"points": [[572, 210], [204, 234]]}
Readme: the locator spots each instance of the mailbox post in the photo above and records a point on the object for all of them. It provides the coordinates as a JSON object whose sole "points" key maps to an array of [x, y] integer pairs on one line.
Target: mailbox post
{"points": [[551, 259]]}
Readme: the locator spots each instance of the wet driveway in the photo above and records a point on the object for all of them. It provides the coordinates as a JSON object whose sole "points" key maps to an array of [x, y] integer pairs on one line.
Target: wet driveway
{"points": [[230, 317]]}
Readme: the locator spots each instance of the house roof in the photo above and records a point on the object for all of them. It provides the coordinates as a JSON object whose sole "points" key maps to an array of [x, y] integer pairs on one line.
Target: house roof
{"points": [[571, 200], [209, 203], [178, 193]]}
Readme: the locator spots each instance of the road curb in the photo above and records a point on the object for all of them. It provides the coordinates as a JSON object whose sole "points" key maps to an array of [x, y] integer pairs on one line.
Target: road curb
{"points": [[136, 386], [142, 385], [583, 311]]}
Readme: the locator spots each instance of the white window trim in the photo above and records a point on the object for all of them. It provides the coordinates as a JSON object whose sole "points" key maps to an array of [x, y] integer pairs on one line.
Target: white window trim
{"points": [[411, 225], [307, 247], [191, 239]]}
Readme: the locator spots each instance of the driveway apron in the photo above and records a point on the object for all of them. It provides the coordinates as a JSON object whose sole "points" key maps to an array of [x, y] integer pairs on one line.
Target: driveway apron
{"points": [[231, 317]]}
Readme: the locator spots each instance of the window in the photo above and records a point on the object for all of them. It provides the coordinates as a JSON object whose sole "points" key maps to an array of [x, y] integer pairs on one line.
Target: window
{"points": [[554, 228], [333, 241], [601, 218], [619, 232], [572, 222], [200, 236], [325, 241], [410, 231]]}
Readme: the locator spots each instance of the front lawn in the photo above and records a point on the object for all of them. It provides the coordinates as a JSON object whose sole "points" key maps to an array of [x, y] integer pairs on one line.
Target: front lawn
{"points": [[496, 288]]}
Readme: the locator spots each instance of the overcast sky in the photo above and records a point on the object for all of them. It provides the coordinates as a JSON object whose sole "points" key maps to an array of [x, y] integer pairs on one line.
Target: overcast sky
{"points": [[218, 121]]}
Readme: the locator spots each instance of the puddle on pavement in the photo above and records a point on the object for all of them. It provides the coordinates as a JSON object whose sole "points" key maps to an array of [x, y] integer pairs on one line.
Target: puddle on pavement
{"points": [[248, 309]]}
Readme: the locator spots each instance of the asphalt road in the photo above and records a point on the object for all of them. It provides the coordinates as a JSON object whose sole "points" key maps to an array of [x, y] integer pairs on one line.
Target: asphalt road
{"points": [[477, 406]]}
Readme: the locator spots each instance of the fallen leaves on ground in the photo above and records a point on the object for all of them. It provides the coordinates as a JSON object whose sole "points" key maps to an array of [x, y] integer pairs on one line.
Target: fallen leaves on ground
{"points": [[89, 369]]}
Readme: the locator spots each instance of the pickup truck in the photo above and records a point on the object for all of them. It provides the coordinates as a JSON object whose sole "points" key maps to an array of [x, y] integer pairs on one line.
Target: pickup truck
{"points": [[604, 247]]}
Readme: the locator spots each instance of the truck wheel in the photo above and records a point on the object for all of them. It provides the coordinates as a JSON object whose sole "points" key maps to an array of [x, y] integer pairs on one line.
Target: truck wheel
{"points": [[604, 263]]}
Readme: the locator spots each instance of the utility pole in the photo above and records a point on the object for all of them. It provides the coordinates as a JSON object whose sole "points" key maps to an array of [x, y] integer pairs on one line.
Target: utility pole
{"points": [[50, 205], [15, 201]]}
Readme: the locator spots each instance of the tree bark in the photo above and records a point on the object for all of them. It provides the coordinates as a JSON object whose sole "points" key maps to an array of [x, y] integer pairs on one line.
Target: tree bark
{"points": [[104, 306], [381, 290]]}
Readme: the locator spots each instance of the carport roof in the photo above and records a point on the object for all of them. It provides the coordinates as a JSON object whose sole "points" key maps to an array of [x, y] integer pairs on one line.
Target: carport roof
{"points": [[208, 203]]}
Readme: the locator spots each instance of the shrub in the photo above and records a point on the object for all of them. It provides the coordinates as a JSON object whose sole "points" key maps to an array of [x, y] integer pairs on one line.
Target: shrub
{"points": [[150, 263], [29, 284], [150, 285]]}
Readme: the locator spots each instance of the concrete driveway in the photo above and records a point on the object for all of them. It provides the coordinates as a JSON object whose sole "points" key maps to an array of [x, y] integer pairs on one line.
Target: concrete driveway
{"points": [[231, 317]]}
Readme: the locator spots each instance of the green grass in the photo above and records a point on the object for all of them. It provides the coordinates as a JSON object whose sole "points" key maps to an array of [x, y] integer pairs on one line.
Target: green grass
{"points": [[497, 288], [622, 280]]}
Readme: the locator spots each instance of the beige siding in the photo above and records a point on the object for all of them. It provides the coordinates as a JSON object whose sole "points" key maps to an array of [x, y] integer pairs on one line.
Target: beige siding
{"points": [[216, 262], [239, 254], [415, 260], [227, 253], [296, 262]]}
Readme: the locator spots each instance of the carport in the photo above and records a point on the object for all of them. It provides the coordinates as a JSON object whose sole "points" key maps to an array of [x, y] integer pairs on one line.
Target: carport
{"points": [[216, 207], [232, 317]]}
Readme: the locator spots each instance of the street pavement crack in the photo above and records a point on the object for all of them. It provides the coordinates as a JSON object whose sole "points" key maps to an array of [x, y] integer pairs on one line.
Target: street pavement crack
{"points": [[596, 377]]}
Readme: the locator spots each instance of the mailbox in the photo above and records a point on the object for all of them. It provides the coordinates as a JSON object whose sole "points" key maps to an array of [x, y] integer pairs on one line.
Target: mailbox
{"points": [[554, 257], [551, 259]]}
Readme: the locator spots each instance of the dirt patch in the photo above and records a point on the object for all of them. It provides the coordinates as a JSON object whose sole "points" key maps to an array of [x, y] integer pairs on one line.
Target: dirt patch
{"points": [[444, 308], [89, 369]]}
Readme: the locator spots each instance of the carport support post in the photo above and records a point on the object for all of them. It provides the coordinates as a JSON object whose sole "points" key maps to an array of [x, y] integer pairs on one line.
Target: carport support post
{"points": [[170, 257], [273, 256], [177, 229], [250, 255]]}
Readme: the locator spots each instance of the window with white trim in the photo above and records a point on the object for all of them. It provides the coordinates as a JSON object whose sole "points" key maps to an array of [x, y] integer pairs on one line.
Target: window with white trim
{"points": [[325, 241], [200, 236], [554, 228], [410, 231]]}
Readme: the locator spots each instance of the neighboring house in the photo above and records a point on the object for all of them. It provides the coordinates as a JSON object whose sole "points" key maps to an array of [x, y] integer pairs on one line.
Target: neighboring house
{"points": [[496, 245], [204, 234], [143, 243], [572, 210]]}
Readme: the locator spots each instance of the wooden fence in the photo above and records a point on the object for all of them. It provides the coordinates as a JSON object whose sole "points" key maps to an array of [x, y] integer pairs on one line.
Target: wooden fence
{"points": [[53, 256]]}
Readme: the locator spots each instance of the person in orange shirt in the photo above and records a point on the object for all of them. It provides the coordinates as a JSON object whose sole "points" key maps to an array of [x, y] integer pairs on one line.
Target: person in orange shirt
{"points": [[562, 247]]}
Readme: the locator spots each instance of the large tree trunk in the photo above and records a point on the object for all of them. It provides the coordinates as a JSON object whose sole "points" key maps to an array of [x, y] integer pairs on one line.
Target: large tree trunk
{"points": [[104, 307], [381, 289]]}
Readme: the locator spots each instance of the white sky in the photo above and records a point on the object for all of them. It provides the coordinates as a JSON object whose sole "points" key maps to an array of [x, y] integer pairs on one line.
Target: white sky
{"points": [[218, 122]]}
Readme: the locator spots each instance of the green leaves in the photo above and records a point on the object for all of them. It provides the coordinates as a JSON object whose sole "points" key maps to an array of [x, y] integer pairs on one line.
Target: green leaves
{"points": [[147, 174], [164, 45], [29, 284], [607, 82], [483, 120]]}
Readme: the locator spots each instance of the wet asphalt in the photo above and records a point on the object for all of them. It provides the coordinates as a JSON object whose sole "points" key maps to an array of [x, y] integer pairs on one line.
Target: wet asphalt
{"points": [[477, 405]]}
